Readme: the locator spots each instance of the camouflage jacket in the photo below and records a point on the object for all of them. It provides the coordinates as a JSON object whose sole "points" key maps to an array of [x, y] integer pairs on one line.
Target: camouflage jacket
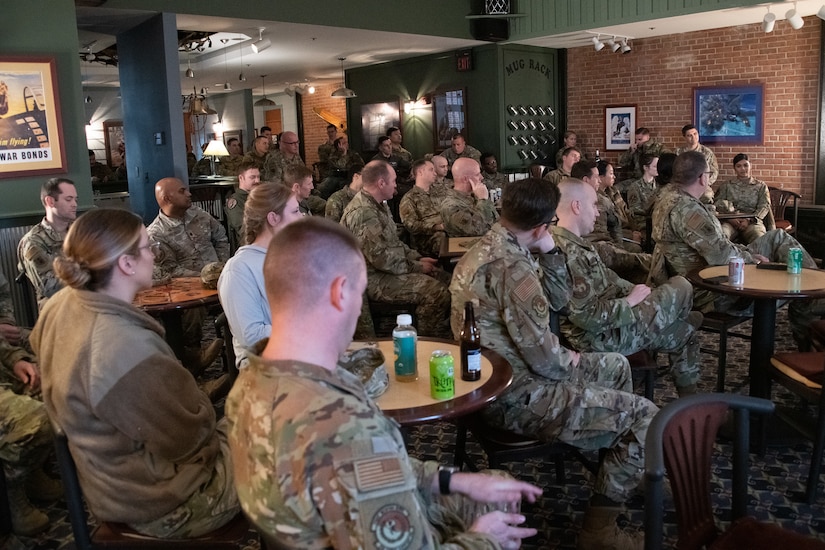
{"points": [[274, 165], [318, 465], [419, 212], [632, 159], [688, 235], [466, 216], [555, 176], [439, 189], [640, 197], [344, 161], [710, 157], [469, 152], [234, 213], [6, 304], [325, 150], [372, 225], [35, 253], [337, 202], [187, 245], [253, 156], [608, 227], [598, 300], [399, 151], [495, 181], [751, 196], [621, 209], [513, 293]]}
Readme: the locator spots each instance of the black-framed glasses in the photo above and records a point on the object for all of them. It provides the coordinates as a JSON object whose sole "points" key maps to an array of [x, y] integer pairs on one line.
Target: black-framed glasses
{"points": [[290, 142]]}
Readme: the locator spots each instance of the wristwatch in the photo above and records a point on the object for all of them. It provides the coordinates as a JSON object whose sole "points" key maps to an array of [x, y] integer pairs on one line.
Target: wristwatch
{"points": [[445, 473]]}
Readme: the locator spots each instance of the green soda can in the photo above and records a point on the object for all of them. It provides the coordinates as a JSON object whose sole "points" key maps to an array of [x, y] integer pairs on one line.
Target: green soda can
{"points": [[442, 375], [795, 260]]}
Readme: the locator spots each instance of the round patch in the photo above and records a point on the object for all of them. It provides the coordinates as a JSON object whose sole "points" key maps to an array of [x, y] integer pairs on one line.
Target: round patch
{"points": [[392, 529], [231, 203], [540, 306]]}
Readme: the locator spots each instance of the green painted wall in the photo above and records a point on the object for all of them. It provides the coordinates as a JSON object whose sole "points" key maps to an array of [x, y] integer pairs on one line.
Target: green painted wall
{"points": [[39, 27]]}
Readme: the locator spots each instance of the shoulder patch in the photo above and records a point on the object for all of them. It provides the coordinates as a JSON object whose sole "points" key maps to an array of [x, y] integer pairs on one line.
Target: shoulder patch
{"points": [[392, 528], [231, 203], [526, 289], [378, 472], [696, 221], [581, 287]]}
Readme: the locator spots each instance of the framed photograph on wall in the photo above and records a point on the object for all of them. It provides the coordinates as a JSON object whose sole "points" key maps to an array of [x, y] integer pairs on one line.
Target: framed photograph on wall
{"points": [[31, 132], [449, 117], [114, 142], [375, 119], [729, 114], [619, 126], [237, 134]]}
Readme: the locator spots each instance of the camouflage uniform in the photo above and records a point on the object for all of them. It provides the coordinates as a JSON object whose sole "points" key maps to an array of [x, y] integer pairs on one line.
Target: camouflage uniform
{"points": [[6, 304], [337, 172], [187, 245], [440, 187], [713, 168], [589, 405], [325, 150], [555, 176], [608, 227], [689, 237], [632, 159], [600, 318], [402, 153], [228, 166], [419, 214], [312, 206], [640, 197], [465, 215], [750, 196], [234, 213], [35, 253], [469, 152], [337, 202], [394, 274], [203, 167], [274, 165], [495, 181], [253, 156], [304, 441]]}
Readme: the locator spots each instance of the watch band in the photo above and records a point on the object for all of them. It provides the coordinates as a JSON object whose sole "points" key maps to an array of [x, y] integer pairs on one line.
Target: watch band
{"points": [[444, 476]]}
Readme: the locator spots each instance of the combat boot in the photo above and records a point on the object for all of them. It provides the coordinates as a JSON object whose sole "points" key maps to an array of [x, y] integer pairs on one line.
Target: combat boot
{"points": [[42, 488], [26, 520], [197, 360], [600, 532]]}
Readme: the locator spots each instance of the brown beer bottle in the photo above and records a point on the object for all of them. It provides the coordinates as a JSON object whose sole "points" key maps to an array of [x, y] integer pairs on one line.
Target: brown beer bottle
{"points": [[470, 341]]}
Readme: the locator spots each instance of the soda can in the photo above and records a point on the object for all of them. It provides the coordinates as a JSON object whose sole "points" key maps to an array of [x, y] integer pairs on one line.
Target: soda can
{"points": [[736, 271], [795, 260], [442, 375]]}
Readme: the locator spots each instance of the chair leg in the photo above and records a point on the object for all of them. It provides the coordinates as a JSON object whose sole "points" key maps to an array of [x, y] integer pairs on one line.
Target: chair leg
{"points": [[723, 360], [816, 455], [650, 381], [460, 444]]}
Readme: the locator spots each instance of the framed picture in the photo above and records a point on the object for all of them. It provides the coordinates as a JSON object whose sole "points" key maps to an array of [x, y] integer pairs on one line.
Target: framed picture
{"points": [[375, 119], [233, 134], [449, 117], [729, 114], [619, 126], [31, 132], [114, 142]]}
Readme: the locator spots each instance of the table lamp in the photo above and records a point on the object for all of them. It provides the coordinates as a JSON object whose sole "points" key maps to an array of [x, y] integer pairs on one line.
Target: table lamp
{"points": [[216, 148]]}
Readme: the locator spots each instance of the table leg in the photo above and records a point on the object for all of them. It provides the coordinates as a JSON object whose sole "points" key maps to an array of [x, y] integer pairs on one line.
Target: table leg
{"points": [[762, 341], [173, 323]]}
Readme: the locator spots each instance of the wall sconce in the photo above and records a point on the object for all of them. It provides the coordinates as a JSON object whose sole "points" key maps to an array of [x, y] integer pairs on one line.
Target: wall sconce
{"points": [[410, 107]]}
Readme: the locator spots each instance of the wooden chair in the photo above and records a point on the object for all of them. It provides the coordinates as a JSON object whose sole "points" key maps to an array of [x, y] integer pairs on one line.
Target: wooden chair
{"points": [[801, 373], [779, 203], [222, 330], [681, 439], [119, 535], [721, 323]]}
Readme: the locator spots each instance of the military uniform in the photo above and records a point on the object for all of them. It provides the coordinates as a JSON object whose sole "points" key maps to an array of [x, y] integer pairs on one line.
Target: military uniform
{"points": [[228, 166], [608, 227], [469, 152], [402, 153], [589, 405], [312, 206], [494, 181], [234, 213], [318, 465], [35, 253], [401, 166], [440, 188], [204, 167], [555, 176], [394, 272], [632, 159], [337, 173], [420, 214], [325, 150], [690, 237], [600, 318], [750, 196], [337, 202], [710, 158], [275, 163], [253, 156], [187, 245], [465, 215], [640, 197]]}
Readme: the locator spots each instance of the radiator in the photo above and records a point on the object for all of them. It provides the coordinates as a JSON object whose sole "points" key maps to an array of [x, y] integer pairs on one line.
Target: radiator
{"points": [[9, 237]]}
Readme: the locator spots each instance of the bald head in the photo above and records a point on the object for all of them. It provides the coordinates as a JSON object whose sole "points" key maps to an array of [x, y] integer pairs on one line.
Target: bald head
{"points": [[465, 171], [577, 210], [289, 143], [173, 197]]}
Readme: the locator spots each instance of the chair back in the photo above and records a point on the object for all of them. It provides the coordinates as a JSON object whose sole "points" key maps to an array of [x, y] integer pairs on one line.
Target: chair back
{"points": [[71, 485], [680, 440], [780, 199]]}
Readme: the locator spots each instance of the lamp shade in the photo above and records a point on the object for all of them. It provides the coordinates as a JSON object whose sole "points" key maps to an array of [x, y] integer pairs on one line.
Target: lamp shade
{"points": [[216, 148], [343, 92]]}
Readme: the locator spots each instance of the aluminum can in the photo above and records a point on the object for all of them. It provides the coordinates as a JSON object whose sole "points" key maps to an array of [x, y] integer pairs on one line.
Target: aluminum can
{"points": [[795, 260], [736, 271], [442, 375]]}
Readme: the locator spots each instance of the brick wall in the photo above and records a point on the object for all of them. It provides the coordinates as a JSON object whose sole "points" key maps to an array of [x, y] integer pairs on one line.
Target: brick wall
{"points": [[659, 75], [315, 128]]}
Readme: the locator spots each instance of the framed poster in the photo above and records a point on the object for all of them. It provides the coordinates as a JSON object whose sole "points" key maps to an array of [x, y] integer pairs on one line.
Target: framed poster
{"points": [[236, 134], [31, 133], [729, 114], [375, 119], [115, 142], [619, 126], [449, 117]]}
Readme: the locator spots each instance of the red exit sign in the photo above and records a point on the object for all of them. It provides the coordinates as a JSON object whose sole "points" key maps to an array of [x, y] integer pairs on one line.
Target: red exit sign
{"points": [[464, 61]]}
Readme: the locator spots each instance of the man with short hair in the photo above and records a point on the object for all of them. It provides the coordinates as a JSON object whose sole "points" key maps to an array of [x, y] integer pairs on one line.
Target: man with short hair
{"points": [[335, 471], [394, 134], [442, 182], [419, 211], [569, 157], [338, 201], [44, 242], [459, 149], [287, 155], [248, 177], [691, 135], [690, 237], [493, 179], [228, 166], [101, 173], [585, 400], [271, 144], [607, 312], [258, 153], [396, 273], [643, 145], [467, 210], [386, 153], [299, 179]]}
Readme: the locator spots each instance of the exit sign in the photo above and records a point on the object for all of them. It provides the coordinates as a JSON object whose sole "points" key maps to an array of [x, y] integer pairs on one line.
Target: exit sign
{"points": [[464, 61]]}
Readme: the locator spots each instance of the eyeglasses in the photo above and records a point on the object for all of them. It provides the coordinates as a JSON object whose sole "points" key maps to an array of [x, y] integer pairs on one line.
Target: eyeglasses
{"points": [[290, 142], [554, 221], [153, 246]]}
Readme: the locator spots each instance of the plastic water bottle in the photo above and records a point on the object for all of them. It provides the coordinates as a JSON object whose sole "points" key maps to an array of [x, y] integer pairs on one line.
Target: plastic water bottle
{"points": [[404, 341]]}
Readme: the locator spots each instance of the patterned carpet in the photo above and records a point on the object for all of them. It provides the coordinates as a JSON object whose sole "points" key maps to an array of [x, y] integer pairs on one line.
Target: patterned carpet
{"points": [[777, 480]]}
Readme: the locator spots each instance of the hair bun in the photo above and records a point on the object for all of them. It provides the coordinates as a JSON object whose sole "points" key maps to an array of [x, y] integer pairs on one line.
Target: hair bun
{"points": [[71, 272]]}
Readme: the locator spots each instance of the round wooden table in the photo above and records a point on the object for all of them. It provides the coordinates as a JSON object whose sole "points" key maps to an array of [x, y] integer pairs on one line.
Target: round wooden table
{"points": [[765, 287], [410, 403]]}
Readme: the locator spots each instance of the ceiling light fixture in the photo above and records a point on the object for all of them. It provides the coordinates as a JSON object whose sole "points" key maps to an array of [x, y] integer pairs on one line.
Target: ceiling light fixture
{"points": [[343, 91], [241, 77], [598, 45], [821, 12], [227, 87], [264, 101], [768, 21], [189, 72], [311, 89], [625, 46], [262, 43], [794, 19], [614, 46]]}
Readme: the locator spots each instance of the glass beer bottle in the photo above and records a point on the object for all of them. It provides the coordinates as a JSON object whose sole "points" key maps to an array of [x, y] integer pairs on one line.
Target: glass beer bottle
{"points": [[470, 341]]}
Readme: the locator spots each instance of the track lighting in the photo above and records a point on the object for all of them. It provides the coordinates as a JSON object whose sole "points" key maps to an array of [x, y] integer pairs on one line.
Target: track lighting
{"points": [[821, 12], [598, 45], [615, 43], [625, 46], [614, 46], [794, 19], [262, 43], [768, 21]]}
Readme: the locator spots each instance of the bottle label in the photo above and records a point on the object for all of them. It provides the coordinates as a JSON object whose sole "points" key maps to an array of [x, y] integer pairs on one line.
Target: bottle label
{"points": [[404, 348], [474, 360]]}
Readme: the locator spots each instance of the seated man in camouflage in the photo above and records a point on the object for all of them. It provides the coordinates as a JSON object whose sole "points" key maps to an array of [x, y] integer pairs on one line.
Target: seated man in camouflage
{"points": [[688, 237], [585, 400], [249, 176], [608, 313], [338, 201], [317, 464], [467, 210], [420, 213]]}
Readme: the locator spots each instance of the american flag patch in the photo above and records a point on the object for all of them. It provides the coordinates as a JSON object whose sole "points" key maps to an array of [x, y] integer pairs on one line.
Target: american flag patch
{"points": [[526, 289], [378, 473]]}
